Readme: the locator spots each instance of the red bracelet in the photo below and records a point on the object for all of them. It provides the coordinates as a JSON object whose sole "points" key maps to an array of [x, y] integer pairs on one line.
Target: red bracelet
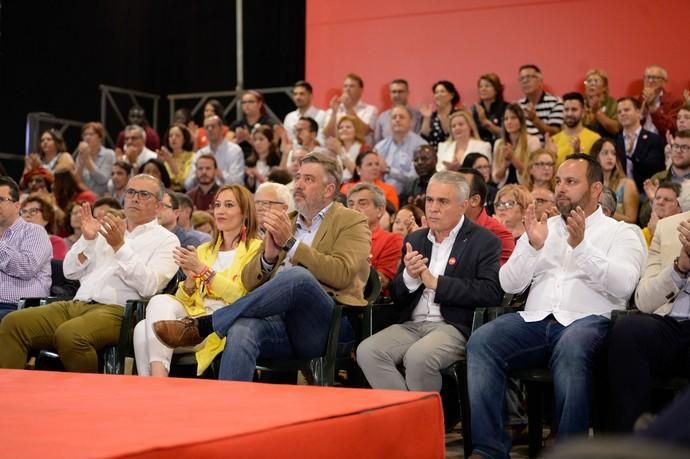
{"points": [[202, 273]]}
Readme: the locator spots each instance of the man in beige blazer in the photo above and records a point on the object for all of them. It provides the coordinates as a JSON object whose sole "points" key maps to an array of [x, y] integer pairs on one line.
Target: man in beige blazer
{"points": [[310, 258], [651, 346]]}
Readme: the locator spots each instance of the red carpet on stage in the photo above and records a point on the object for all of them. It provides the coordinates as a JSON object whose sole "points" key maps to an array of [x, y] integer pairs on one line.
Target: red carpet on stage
{"points": [[67, 415]]}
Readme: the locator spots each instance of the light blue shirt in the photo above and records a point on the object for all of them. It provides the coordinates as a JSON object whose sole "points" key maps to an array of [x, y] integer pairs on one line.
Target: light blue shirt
{"points": [[398, 156], [681, 305]]}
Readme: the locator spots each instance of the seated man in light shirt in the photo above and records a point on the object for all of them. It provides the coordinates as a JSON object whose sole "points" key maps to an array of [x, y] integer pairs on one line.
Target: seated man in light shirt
{"points": [[580, 265], [115, 260]]}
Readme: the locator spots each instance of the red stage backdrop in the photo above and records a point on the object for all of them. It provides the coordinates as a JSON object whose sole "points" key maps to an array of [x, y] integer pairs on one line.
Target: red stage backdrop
{"points": [[458, 40]]}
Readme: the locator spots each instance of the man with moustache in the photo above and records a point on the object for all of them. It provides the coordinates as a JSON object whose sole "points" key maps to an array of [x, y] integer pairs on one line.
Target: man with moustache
{"points": [[309, 258], [115, 260], [580, 266], [574, 137]]}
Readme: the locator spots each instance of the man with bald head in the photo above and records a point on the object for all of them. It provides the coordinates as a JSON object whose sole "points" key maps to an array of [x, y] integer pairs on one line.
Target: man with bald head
{"points": [[115, 260], [579, 267]]}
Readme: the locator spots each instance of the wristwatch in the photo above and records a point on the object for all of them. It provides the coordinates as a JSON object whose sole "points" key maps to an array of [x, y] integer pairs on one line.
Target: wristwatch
{"points": [[289, 243], [677, 268]]}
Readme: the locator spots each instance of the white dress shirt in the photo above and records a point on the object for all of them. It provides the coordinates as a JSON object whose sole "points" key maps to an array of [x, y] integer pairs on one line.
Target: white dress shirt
{"points": [[293, 117], [140, 269], [230, 161], [595, 277], [427, 310]]}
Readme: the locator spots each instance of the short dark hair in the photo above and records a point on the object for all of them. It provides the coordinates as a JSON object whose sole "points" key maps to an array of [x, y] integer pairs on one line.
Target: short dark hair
{"points": [[529, 66], [165, 175], [669, 185], [304, 84], [185, 201], [279, 175], [574, 96], [355, 77], [208, 156], [477, 185], [635, 102], [594, 171], [9, 182], [313, 125], [124, 165], [174, 201], [106, 201], [400, 81], [684, 134]]}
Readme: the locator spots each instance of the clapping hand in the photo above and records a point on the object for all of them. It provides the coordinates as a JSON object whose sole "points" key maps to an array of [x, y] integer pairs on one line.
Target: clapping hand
{"points": [[536, 228], [575, 224], [415, 262], [90, 226], [113, 230], [188, 260]]}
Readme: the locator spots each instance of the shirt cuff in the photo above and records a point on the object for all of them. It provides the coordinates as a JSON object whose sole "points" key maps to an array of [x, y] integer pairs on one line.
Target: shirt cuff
{"points": [[291, 252], [411, 283], [265, 265], [87, 247], [680, 282]]}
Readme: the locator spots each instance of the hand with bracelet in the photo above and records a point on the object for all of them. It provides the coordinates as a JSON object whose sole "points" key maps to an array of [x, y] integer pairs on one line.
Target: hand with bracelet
{"points": [[188, 260]]}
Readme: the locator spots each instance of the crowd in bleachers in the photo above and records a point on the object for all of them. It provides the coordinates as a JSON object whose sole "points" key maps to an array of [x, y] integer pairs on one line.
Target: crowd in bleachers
{"points": [[578, 204]]}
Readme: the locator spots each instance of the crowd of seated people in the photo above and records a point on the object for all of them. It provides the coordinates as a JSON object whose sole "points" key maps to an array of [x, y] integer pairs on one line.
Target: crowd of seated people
{"points": [[453, 205]]}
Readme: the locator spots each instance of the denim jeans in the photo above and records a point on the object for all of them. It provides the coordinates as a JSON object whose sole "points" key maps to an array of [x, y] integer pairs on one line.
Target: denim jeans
{"points": [[509, 343], [6, 308], [287, 317]]}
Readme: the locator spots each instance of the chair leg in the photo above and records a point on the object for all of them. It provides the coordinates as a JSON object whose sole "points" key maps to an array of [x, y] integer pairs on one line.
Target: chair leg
{"points": [[465, 409], [534, 414]]}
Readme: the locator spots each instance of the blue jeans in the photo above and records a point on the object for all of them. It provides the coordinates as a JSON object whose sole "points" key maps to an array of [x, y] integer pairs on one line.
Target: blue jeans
{"points": [[6, 308], [287, 317], [509, 343]]}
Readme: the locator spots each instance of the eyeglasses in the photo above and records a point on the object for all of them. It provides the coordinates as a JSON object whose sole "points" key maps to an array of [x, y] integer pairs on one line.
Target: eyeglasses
{"points": [[144, 195], [265, 204], [540, 164], [654, 78], [681, 147], [593, 81], [29, 211], [541, 201], [3, 199], [525, 78], [167, 206], [498, 205]]}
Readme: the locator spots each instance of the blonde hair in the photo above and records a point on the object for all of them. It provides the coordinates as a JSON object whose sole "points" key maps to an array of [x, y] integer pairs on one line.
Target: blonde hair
{"points": [[520, 150], [519, 193], [474, 133], [527, 175], [359, 136]]}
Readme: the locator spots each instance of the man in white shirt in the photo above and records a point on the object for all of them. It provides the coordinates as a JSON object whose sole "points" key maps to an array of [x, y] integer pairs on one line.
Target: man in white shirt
{"points": [[115, 260], [446, 271], [136, 152], [229, 157], [580, 266], [302, 97], [350, 103]]}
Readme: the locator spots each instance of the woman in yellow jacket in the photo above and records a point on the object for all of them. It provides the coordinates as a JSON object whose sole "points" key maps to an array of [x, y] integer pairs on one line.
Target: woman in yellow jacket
{"points": [[214, 280]]}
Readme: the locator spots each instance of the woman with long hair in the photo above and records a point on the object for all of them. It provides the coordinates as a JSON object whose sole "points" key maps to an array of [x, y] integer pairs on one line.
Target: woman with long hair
{"points": [[51, 156], [368, 169], [176, 153], [464, 139], [347, 145], [488, 112], [627, 195], [541, 170], [213, 280], [513, 148], [264, 158], [436, 117]]}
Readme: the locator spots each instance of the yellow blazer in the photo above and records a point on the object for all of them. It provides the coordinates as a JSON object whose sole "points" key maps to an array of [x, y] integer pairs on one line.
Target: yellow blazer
{"points": [[337, 256], [226, 285]]}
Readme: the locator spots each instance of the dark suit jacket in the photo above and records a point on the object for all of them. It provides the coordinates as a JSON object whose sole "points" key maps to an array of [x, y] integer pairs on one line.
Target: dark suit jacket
{"points": [[469, 283], [648, 157]]}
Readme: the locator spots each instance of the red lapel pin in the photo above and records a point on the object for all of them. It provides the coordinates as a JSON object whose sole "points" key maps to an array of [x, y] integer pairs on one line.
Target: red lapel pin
{"points": [[452, 261]]}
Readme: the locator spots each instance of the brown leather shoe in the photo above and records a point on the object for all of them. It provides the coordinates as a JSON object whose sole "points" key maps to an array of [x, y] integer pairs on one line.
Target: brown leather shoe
{"points": [[178, 333]]}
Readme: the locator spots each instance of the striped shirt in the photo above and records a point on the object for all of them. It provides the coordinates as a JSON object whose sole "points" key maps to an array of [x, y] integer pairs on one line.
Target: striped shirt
{"points": [[549, 109], [25, 253]]}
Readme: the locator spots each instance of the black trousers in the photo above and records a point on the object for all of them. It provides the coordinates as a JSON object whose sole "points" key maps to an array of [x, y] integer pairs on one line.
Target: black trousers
{"points": [[643, 349]]}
